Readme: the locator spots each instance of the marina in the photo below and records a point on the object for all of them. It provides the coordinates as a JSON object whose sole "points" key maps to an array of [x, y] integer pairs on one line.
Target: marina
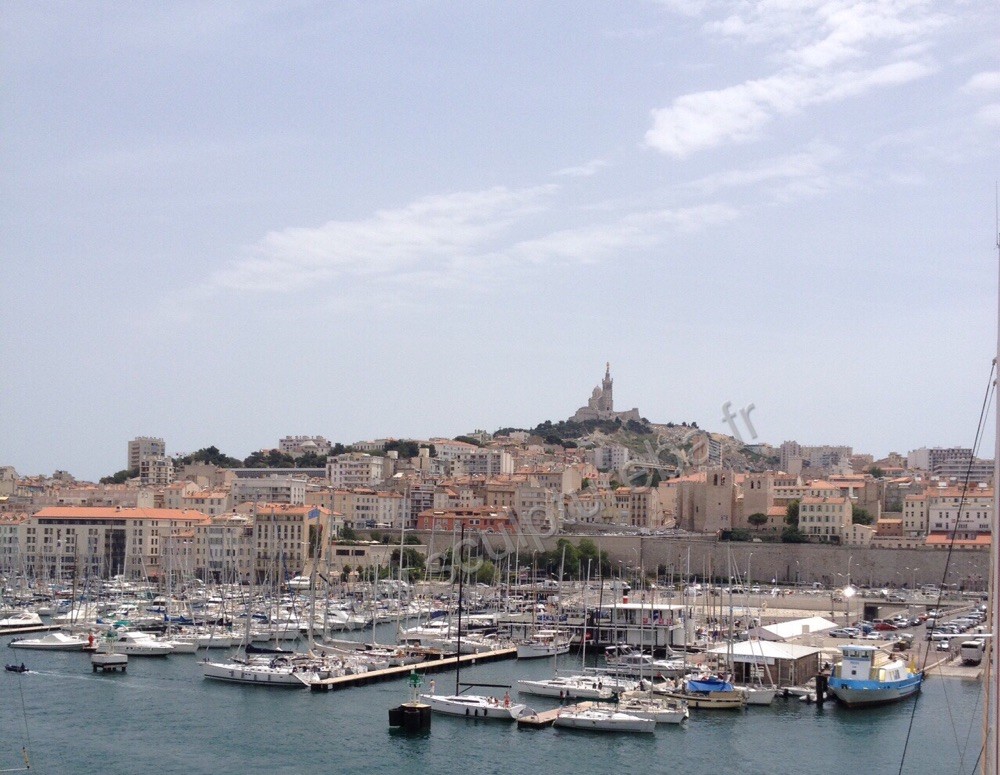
{"points": [[167, 716]]}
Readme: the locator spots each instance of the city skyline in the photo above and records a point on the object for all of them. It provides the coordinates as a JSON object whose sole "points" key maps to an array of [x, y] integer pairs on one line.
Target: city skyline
{"points": [[225, 225]]}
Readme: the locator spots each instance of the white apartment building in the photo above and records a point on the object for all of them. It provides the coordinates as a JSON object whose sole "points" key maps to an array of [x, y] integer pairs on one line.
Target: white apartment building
{"points": [[297, 446], [487, 462], [953, 463], [144, 447], [272, 489], [225, 549], [365, 509], [378, 445], [356, 469], [613, 457], [156, 471], [965, 513], [826, 518], [915, 523], [287, 539]]}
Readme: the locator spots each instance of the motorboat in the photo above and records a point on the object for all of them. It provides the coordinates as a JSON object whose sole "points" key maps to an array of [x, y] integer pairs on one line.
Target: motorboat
{"points": [[583, 687], [20, 619], [134, 643], [622, 659], [16, 668], [867, 675], [53, 641], [759, 695], [544, 643], [601, 720]]}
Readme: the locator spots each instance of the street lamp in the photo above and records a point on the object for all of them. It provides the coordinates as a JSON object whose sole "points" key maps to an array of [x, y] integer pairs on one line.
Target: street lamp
{"points": [[913, 586], [849, 592], [748, 570]]}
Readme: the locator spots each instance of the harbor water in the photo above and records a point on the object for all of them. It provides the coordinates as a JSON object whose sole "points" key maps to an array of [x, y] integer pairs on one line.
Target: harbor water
{"points": [[163, 717]]}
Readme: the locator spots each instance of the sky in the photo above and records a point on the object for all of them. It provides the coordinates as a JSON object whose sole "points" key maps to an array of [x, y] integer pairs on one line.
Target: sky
{"points": [[224, 223]]}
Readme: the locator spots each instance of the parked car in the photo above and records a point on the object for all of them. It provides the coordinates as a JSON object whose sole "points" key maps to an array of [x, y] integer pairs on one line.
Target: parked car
{"points": [[845, 632], [885, 626]]}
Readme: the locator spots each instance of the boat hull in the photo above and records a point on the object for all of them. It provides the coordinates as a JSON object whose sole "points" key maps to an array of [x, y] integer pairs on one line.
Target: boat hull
{"points": [[601, 721], [51, 642], [858, 694], [474, 706], [259, 675], [566, 689]]}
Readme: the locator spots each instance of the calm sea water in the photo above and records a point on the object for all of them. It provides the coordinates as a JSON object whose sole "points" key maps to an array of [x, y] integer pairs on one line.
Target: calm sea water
{"points": [[163, 717]]}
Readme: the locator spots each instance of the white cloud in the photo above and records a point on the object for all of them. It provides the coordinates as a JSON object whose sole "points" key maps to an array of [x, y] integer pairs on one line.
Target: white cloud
{"points": [[431, 230], [446, 242], [989, 115], [983, 83], [804, 170], [583, 170], [830, 50]]}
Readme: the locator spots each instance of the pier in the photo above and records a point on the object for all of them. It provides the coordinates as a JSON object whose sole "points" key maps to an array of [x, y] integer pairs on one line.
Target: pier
{"points": [[402, 671], [547, 717]]}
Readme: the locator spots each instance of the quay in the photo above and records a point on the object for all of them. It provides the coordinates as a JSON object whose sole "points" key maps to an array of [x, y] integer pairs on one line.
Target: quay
{"points": [[402, 671], [29, 629], [547, 717]]}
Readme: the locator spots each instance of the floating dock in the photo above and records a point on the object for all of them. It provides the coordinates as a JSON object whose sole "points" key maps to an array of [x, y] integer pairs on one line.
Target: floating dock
{"points": [[547, 717], [402, 671], [4, 631]]}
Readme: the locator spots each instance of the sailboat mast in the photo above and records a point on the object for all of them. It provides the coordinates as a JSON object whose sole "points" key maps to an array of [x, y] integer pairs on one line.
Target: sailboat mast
{"points": [[458, 654], [991, 720]]}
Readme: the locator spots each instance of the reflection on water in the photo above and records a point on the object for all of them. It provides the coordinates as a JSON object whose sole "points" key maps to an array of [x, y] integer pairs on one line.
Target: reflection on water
{"points": [[163, 717]]}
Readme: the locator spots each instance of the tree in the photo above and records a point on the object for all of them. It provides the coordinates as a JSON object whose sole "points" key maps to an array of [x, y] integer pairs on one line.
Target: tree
{"points": [[210, 456], [269, 458], [757, 520], [486, 572], [860, 516], [792, 535], [876, 472], [469, 440], [120, 477], [792, 516], [413, 561], [348, 534]]}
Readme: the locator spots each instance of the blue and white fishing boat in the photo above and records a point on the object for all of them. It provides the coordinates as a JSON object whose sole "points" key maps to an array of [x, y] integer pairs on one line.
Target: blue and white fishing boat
{"points": [[866, 675]]}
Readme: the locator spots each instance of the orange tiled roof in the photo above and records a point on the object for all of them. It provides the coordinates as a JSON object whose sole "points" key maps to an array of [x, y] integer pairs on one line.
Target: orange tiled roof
{"points": [[115, 512]]}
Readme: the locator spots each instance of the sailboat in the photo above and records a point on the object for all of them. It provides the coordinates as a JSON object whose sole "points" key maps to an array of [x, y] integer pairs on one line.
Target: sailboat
{"points": [[281, 670], [991, 716], [471, 705]]}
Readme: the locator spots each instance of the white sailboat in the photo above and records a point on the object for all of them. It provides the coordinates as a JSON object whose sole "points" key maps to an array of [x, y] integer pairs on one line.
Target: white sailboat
{"points": [[471, 705], [604, 720]]}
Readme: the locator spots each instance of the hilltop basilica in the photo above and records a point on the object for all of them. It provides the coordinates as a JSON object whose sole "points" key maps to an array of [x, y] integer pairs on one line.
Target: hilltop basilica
{"points": [[601, 404]]}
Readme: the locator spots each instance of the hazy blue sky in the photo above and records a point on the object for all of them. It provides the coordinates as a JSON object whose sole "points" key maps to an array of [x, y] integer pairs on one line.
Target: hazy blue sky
{"points": [[227, 222]]}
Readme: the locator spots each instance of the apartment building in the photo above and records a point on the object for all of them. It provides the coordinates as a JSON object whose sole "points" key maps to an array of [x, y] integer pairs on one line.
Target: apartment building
{"points": [[156, 471], [357, 469], [144, 447], [288, 538], [297, 446], [276, 488], [959, 512], [825, 518], [612, 457], [478, 518], [99, 541]]}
